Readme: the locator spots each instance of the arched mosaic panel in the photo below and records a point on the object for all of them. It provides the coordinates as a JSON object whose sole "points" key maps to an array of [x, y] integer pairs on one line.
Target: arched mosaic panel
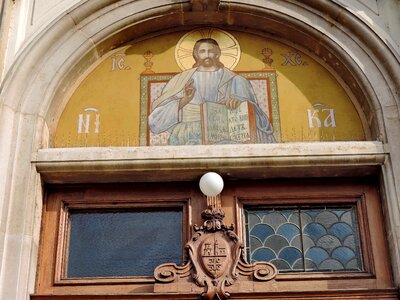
{"points": [[207, 86]]}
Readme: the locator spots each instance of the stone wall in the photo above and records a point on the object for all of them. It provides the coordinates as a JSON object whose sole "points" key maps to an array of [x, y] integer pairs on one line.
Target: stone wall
{"points": [[46, 48]]}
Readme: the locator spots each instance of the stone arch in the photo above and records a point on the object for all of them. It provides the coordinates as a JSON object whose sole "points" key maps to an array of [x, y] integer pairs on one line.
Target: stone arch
{"points": [[53, 60]]}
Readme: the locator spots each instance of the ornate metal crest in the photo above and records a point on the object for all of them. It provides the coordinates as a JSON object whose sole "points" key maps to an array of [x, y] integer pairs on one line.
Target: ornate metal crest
{"points": [[215, 261]]}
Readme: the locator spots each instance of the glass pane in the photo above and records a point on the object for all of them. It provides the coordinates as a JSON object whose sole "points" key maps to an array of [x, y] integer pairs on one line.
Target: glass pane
{"points": [[334, 233], [274, 235], [300, 240], [123, 243]]}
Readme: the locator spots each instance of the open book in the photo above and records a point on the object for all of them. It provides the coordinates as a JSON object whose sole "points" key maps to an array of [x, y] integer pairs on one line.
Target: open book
{"points": [[221, 125]]}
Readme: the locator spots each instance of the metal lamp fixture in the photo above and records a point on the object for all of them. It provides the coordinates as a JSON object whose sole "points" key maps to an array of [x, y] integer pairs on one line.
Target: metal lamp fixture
{"points": [[211, 184], [216, 255]]}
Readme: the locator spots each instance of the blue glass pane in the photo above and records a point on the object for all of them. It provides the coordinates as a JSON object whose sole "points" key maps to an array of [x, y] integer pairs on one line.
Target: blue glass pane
{"points": [[343, 254], [289, 231], [314, 231], [290, 255], [261, 231], [263, 254], [341, 230], [123, 243], [317, 255]]}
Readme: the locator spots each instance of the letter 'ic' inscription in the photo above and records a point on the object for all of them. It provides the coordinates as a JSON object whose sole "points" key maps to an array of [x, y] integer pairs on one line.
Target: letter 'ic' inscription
{"points": [[118, 62]]}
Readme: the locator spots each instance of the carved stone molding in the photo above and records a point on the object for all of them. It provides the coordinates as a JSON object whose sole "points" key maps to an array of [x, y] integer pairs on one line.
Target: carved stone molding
{"points": [[215, 261]]}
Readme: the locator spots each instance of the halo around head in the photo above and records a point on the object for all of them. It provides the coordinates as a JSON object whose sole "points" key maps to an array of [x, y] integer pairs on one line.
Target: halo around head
{"points": [[230, 48]]}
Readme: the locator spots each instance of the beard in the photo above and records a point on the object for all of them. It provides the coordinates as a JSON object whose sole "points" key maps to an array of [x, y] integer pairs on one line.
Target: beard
{"points": [[208, 62]]}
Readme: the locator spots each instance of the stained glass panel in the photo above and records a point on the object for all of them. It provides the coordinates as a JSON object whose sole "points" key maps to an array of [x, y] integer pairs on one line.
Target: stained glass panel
{"points": [[304, 239]]}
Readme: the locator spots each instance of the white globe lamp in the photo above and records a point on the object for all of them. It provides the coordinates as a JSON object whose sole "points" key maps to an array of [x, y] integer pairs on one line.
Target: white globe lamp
{"points": [[211, 184]]}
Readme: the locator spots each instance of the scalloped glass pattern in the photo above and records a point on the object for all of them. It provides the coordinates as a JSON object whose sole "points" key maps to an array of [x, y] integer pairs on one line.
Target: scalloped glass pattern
{"points": [[322, 239]]}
